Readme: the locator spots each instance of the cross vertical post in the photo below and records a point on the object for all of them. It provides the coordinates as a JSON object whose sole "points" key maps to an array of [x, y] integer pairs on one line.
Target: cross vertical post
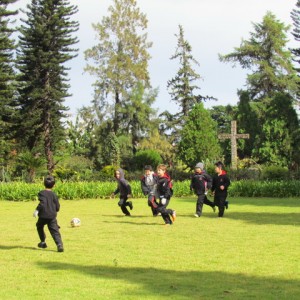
{"points": [[233, 136]]}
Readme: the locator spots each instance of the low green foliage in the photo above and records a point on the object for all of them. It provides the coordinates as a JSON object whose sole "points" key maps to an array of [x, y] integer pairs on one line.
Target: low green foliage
{"points": [[252, 253], [20, 191]]}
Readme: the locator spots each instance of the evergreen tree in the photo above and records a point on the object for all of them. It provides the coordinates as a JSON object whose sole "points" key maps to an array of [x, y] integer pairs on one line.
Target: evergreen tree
{"points": [[295, 14], [182, 87], [248, 123], [199, 140], [45, 46], [7, 78], [265, 53], [121, 57], [278, 140], [111, 150]]}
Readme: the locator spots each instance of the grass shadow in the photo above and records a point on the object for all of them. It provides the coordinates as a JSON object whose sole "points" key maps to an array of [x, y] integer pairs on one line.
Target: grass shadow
{"points": [[5, 247], [133, 223], [186, 284], [263, 218], [261, 201]]}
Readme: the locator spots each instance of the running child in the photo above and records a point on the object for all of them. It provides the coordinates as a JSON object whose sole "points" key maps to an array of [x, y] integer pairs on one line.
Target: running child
{"points": [[149, 186], [124, 189], [46, 212], [165, 193]]}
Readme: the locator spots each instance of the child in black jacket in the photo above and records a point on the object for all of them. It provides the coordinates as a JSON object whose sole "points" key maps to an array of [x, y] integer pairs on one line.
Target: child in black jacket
{"points": [[47, 212], [165, 193], [200, 183], [219, 188], [149, 188], [124, 189]]}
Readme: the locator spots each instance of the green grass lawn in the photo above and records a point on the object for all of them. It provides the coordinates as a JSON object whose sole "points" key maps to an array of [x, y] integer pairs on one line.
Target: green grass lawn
{"points": [[252, 253]]}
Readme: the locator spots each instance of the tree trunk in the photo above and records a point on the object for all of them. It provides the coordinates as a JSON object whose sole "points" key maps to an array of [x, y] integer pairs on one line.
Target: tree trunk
{"points": [[48, 143]]}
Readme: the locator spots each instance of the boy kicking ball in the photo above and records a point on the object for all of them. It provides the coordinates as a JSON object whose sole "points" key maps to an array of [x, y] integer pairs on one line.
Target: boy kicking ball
{"points": [[47, 212]]}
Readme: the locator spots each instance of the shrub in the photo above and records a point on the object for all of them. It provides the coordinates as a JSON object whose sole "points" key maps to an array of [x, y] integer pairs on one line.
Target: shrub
{"points": [[108, 172], [147, 157], [65, 174], [275, 173]]}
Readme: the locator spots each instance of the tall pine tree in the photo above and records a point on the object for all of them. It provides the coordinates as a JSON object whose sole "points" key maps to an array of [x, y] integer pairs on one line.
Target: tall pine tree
{"points": [[182, 86], [266, 54], [45, 45], [7, 78], [295, 14]]}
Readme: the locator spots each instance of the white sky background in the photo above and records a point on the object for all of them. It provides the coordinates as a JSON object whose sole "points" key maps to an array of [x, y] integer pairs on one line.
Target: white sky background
{"points": [[211, 27]]}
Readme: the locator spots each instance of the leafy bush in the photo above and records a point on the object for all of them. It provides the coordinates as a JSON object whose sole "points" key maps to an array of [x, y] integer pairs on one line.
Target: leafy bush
{"points": [[65, 174], [147, 157], [252, 188], [275, 173], [108, 172], [20, 191]]}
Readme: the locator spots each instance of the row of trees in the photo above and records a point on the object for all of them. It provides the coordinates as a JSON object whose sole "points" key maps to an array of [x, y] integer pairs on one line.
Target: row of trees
{"points": [[120, 126]]}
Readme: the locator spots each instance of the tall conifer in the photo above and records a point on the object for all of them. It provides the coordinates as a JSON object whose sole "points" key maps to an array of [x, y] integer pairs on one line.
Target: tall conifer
{"points": [[46, 40], [7, 76]]}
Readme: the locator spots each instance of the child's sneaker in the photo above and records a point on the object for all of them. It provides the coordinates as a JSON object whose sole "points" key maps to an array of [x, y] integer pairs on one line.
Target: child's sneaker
{"points": [[174, 216], [226, 204], [60, 248], [130, 205], [42, 245], [196, 215]]}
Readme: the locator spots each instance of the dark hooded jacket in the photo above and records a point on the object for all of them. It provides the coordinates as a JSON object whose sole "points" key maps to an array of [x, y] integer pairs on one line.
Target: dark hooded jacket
{"points": [[164, 187], [124, 187], [200, 182], [219, 180], [49, 204]]}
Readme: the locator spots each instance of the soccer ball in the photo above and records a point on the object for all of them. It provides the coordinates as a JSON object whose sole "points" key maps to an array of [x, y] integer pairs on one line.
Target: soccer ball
{"points": [[75, 222]]}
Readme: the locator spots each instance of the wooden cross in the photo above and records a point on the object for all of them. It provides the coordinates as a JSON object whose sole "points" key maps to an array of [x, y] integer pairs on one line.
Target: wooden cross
{"points": [[233, 136]]}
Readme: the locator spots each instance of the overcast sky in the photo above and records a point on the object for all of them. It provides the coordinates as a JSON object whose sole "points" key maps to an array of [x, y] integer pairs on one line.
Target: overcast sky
{"points": [[211, 27]]}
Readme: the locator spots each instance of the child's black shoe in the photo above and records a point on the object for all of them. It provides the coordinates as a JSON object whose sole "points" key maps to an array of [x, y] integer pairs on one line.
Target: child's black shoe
{"points": [[226, 204], [130, 205], [42, 245], [60, 248]]}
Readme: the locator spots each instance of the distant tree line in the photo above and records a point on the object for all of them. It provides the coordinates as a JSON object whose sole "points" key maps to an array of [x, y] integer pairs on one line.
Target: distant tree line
{"points": [[120, 127]]}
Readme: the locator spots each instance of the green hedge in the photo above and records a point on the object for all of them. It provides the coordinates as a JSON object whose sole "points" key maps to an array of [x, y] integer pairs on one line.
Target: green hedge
{"points": [[19, 191]]}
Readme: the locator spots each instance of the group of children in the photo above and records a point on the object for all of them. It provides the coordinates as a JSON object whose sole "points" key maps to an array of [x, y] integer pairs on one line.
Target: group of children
{"points": [[156, 186]]}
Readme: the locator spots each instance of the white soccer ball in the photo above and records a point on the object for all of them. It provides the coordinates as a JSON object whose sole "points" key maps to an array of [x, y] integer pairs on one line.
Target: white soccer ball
{"points": [[75, 222]]}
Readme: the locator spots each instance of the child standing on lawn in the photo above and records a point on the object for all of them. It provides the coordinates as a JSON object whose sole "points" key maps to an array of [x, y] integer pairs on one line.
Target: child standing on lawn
{"points": [[124, 189], [47, 212], [165, 193], [149, 185], [219, 188], [200, 183]]}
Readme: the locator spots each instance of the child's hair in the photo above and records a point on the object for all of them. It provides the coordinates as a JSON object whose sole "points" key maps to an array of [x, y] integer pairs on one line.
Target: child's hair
{"points": [[148, 167], [49, 182], [162, 167], [219, 164]]}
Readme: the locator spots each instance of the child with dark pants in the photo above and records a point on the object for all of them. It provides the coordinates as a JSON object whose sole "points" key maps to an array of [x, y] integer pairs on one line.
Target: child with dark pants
{"points": [[149, 186], [200, 183], [219, 188], [165, 193], [47, 212], [124, 189]]}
